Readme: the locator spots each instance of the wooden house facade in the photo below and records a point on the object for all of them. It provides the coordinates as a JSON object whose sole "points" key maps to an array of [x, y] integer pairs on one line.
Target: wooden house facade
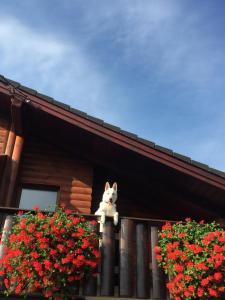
{"points": [[47, 146]]}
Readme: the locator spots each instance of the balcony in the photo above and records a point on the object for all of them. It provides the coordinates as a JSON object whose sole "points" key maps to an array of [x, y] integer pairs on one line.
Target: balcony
{"points": [[128, 267]]}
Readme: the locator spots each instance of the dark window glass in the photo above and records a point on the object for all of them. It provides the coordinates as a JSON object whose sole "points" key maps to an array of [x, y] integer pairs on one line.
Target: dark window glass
{"points": [[44, 199]]}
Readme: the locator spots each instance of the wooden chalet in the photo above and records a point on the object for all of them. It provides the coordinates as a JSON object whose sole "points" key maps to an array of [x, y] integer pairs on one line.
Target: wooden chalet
{"points": [[52, 153]]}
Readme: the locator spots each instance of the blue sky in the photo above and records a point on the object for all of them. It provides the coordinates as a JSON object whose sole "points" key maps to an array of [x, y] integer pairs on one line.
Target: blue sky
{"points": [[155, 68]]}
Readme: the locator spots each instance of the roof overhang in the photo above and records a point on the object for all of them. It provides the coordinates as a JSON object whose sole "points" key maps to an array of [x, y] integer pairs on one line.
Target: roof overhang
{"points": [[122, 138]]}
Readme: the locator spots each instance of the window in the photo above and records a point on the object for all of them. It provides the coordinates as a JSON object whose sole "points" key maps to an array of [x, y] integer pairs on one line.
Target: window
{"points": [[44, 198]]}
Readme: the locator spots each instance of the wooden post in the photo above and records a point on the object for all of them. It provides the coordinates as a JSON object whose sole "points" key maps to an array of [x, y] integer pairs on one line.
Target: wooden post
{"points": [[13, 150], [10, 142], [5, 233], [108, 259], [142, 261], [16, 155], [7, 170], [158, 278], [127, 281], [90, 283]]}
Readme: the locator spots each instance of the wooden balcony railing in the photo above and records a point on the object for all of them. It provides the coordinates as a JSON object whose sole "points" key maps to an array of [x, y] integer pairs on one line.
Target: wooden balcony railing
{"points": [[128, 266]]}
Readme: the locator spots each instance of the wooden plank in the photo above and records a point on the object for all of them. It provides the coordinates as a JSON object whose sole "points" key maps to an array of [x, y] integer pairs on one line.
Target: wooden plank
{"points": [[126, 288], [78, 183], [158, 278], [16, 155], [108, 260], [10, 143], [90, 283], [80, 197], [81, 190], [142, 261], [16, 115]]}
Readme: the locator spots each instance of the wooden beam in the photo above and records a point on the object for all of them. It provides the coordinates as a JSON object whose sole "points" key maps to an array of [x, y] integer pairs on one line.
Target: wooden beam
{"points": [[14, 169], [13, 150], [10, 142], [16, 115]]}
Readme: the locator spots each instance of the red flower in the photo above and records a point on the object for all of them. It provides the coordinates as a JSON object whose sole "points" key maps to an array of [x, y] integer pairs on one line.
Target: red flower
{"points": [[93, 222], [157, 249], [36, 207], [217, 276], [37, 266], [201, 266], [18, 288], [6, 282], [178, 268], [61, 248], [204, 282], [212, 292], [43, 253], [167, 226], [40, 216], [200, 292], [158, 257], [34, 254], [47, 264], [31, 227]]}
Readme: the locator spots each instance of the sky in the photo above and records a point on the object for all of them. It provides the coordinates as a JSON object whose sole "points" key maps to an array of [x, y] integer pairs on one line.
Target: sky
{"points": [[152, 67]]}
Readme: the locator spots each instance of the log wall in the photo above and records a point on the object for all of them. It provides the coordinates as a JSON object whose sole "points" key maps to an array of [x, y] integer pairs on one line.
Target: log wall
{"points": [[4, 125], [45, 164]]}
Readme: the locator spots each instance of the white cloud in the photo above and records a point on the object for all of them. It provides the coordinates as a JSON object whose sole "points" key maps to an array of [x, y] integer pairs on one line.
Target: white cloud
{"points": [[165, 37], [56, 67]]}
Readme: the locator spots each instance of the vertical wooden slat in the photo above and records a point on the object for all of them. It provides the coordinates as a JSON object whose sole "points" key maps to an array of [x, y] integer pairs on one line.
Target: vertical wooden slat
{"points": [[108, 259], [10, 142], [5, 233], [142, 261], [90, 283], [158, 278], [127, 235], [90, 286]]}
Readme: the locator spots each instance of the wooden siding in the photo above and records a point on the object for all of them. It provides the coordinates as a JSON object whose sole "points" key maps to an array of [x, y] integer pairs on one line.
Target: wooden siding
{"points": [[45, 164], [4, 124]]}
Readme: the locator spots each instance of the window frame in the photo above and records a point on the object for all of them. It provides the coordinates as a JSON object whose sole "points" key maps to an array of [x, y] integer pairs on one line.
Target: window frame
{"points": [[40, 187]]}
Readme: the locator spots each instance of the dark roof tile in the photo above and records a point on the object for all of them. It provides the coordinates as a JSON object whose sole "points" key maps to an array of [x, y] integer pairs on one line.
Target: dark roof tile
{"points": [[200, 165], [146, 142], [28, 90], [45, 97], [78, 112], [112, 127], [2, 79], [163, 149], [129, 134], [13, 83], [218, 172], [182, 157], [96, 120], [61, 104]]}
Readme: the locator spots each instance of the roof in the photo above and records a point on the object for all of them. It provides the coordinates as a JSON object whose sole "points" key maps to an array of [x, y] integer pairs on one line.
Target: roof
{"points": [[104, 124]]}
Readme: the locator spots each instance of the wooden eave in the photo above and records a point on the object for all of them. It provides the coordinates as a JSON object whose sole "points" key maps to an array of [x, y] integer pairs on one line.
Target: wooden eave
{"points": [[121, 138]]}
